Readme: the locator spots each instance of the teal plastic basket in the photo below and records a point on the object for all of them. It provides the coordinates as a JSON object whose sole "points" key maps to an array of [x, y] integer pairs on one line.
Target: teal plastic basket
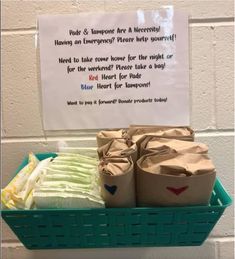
{"points": [[117, 227]]}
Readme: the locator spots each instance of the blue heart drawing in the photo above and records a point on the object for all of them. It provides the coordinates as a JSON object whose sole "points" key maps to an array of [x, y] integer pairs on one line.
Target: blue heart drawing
{"points": [[111, 189]]}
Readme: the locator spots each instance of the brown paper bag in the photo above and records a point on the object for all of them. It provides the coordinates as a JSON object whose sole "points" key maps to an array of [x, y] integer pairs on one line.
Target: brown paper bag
{"points": [[135, 133], [119, 148], [153, 144], [104, 136], [117, 182], [174, 179]]}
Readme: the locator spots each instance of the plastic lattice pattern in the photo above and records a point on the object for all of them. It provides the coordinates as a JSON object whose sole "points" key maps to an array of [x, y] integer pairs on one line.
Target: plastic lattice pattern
{"points": [[117, 227]]}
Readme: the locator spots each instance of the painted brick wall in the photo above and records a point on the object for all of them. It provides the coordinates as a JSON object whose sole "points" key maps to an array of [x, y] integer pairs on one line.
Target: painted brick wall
{"points": [[211, 80]]}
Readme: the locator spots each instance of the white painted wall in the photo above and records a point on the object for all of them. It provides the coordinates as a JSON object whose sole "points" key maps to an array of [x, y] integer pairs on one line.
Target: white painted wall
{"points": [[211, 79]]}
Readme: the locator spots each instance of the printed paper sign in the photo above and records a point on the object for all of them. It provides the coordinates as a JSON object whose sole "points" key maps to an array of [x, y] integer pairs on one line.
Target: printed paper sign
{"points": [[110, 70]]}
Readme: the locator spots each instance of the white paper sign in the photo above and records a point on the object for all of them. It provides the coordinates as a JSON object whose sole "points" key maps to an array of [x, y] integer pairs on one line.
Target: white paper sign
{"points": [[109, 70]]}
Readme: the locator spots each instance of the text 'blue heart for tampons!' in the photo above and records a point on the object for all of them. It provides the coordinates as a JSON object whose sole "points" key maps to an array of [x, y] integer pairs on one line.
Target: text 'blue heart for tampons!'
{"points": [[111, 189]]}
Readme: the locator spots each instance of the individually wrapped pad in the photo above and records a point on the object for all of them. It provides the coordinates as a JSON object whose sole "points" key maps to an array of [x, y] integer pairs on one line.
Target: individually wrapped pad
{"points": [[76, 158], [34, 176], [73, 162], [10, 194], [90, 152], [71, 181], [66, 200], [117, 182]]}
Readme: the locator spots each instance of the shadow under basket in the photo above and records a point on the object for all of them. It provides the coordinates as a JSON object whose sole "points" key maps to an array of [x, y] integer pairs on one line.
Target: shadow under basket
{"points": [[117, 227]]}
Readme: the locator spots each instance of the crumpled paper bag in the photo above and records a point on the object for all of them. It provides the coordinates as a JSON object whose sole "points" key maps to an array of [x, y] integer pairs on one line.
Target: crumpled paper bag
{"points": [[117, 182], [174, 179], [104, 136], [160, 145], [119, 148], [135, 133]]}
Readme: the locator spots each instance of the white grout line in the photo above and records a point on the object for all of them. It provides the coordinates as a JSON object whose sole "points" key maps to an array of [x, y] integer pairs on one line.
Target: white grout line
{"points": [[82, 138], [214, 74], [222, 238], [211, 24], [33, 30], [17, 32], [48, 139], [215, 134]]}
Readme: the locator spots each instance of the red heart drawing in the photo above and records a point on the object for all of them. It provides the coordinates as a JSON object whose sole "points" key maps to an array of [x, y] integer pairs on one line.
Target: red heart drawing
{"points": [[177, 191]]}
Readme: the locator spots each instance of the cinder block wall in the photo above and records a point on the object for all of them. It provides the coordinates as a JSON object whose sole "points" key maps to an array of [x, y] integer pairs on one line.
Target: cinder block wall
{"points": [[211, 84]]}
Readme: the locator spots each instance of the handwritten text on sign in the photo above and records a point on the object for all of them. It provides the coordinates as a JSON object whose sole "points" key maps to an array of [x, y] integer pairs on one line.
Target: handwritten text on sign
{"points": [[115, 69]]}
